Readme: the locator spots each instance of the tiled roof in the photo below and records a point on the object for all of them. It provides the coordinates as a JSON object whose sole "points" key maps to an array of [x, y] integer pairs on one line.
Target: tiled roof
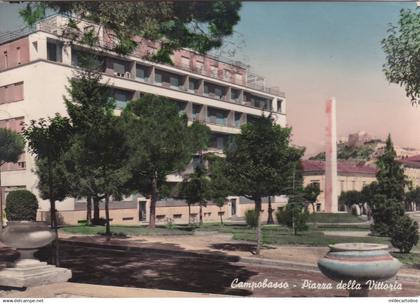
{"points": [[343, 167], [413, 161]]}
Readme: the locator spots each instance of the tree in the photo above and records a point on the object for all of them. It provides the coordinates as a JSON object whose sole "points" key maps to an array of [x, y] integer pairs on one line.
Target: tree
{"points": [[405, 234], [48, 139], [259, 160], [98, 155], [401, 47], [220, 188], [11, 147], [160, 143], [387, 203], [311, 193], [196, 189], [351, 197], [200, 26], [91, 110], [390, 176], [412, 197]]}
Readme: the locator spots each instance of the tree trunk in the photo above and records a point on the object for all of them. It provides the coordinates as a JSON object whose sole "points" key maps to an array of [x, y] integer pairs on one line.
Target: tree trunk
{"points": [[201, 214], [221, 216], [270, 219], [89, 210], [96, 211], [313, 208], [153, 200], [257, 213], [189, 214], [1, 201], [54, 226], [108, 225]]}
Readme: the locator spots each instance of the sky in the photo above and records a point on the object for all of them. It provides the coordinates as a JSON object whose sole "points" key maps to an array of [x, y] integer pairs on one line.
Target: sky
{"points": [[313, 51]]}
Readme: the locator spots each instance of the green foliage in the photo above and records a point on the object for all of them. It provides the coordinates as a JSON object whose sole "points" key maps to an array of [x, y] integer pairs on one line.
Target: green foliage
{"points": [[351, 197], [251, 218], [401, 47], [48, 139], [260, 161], [11, 146], [200, 26], [21, 205], [220, 186], [386, 214], [405, 235], [387, 203], [413, 196], [160, 143], [347, 152], [294, 214], [391, 178], [159, 138], [196, 187], [311, 193]]}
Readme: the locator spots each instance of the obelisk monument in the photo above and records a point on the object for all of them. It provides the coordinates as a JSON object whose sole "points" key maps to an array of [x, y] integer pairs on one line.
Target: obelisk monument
{"points": [[331, 200]]}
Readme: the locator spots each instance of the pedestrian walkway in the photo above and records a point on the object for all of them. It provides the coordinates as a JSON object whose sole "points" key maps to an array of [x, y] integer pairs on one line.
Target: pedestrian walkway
{"points": [[79, 290]]}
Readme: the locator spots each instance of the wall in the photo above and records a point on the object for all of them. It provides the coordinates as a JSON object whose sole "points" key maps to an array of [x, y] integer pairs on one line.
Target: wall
{"points": [[14, 53], [344, 183]]}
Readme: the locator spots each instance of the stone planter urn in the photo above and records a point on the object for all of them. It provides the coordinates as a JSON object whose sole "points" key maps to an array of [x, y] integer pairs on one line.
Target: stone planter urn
{"points": [[27, 237], [359, 262]]}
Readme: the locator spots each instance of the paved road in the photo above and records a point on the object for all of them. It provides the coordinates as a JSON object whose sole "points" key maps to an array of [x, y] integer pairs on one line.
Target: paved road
{"points": [[186, 272]]}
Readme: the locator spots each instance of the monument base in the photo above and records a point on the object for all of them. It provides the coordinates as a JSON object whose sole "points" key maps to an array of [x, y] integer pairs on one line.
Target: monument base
{"points": [[30, 272]]}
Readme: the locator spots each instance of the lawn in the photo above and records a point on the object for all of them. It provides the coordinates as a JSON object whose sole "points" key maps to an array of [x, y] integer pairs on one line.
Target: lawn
{"points": [[411, 259], [280, 235], [129, 230], [334, 218]]}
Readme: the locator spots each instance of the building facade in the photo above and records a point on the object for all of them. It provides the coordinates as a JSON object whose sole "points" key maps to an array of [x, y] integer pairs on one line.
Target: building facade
{"points": [[36, 63], [349, 177]]}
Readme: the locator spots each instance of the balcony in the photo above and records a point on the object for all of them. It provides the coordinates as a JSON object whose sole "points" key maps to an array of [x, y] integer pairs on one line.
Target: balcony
{"points": [[239, 73]]}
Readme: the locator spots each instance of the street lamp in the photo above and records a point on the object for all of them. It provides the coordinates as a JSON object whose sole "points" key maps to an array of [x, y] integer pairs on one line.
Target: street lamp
{"points": [[1, 190]]}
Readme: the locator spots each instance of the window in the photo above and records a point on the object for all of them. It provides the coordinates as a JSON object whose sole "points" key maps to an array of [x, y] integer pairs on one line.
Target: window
{"points": [[122, 97], [120, 68], [353, 185], [235, 94], [193, 85], [196, 109], [181, 106], [342, 185], [238, 119], [175, 81], [279, 105], [18, 55], [217, 116], [6, 60], [158, 77], [177, 216], [142, 72], [54, 50], [214, 91], [318, 207], [21, 164]]}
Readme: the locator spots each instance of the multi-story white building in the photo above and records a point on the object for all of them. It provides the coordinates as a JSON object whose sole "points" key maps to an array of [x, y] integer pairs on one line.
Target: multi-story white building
{"points": [[36, 63]]}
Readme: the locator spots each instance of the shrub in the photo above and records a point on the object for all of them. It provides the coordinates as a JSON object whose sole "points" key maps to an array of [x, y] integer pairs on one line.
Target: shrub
{"points": [[100, 222], [405, 234], [21, 205], [293, 216], [251, 218]]}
